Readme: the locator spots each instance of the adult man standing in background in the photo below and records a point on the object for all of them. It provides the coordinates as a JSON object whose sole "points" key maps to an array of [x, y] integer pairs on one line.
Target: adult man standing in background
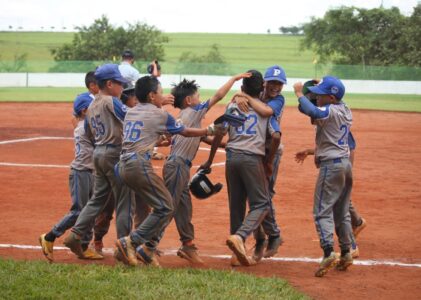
{"points": [[130, 73]]}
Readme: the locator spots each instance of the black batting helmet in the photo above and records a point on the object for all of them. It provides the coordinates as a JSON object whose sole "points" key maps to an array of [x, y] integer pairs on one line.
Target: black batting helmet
{"points": [[201, 187]]}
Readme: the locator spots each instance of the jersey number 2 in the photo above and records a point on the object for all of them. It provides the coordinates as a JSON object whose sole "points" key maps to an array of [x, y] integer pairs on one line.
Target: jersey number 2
{"points": [[249, 130], [344, 138]]}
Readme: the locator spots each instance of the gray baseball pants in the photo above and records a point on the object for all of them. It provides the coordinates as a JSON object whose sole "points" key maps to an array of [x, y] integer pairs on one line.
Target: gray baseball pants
{"points": [[331, 203]]}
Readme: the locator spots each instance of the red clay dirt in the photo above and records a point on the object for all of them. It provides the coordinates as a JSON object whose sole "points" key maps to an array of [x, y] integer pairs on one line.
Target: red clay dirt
{"points": [[386, 193]]}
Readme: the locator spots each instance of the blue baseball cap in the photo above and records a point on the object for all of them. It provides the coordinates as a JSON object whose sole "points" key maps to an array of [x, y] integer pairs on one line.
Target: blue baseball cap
{"points": [[329, 86], [81, 102], [275, 73], [109, 71]]}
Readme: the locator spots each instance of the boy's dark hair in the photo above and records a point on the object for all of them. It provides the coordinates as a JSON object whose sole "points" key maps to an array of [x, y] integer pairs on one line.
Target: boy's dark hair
{"points": [[253, 85], [182, 90], [102, 83], [90, 78], [144, 86]]}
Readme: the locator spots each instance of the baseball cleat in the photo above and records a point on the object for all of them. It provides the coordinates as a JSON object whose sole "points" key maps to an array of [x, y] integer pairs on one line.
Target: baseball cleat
{"points": [[190, 253], [344, 262], [98, 246], [234, 261], [47, 247], [355, 251], [259, 249], [326, 264], [273, 246], [357, 229], [147, 256], [91, 254], [127, 251], [236, 244], [72, 241]]}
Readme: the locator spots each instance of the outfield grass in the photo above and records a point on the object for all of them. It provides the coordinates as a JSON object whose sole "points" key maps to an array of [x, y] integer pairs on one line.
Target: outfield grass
{"points": [[41, 280], [241, 51], [409, 103]]}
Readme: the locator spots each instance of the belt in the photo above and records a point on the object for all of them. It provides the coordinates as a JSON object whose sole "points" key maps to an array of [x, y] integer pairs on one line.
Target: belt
{"points": [[108, 145], [337, 160], [145, 156], [174, 157]]}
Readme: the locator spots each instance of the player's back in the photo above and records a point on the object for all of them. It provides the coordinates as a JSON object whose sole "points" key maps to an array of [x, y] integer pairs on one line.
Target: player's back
{"points": [[84, 148], [105, 118], [186, 147], [332, 132], [250, 137], [143, 125]]}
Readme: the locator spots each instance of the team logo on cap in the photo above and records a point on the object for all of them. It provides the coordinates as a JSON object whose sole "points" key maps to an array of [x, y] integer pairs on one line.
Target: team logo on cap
{"points": [[276, 72], [334, 90]]}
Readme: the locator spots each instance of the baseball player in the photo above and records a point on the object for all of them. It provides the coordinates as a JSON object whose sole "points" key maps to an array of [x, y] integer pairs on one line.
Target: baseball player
{"points": [[176, 171], [247, 172], [81, 181], [143, 126], [104, 122], [357, 222], [271, 104], [334, 184]]}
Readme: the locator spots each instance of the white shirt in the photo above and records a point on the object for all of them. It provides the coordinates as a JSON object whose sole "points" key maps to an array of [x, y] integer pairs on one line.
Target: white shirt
{"points": [[129, 72]]}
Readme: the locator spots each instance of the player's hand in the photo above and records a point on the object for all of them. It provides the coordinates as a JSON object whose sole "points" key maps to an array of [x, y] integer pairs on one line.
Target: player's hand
{"points": [[168, 99], [298, 89], [241, 76], [268, 168], [206, 166], [301, 156], [242, 103]]}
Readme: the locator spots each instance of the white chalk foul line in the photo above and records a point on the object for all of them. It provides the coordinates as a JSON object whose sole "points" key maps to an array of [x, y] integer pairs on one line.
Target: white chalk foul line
{"points": [[29, 165], [369, 262], [35, 139]]}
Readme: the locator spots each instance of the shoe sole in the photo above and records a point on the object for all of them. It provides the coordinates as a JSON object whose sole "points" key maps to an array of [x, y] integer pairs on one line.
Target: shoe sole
{"points": [[184, 255], [50, 259], [123, 256], [240, 256], [259, 257], [344, 266], [358, 229], [322, 271]]}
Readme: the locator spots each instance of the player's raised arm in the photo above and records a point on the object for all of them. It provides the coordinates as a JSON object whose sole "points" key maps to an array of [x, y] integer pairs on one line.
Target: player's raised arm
{"points": [[223, 90]]}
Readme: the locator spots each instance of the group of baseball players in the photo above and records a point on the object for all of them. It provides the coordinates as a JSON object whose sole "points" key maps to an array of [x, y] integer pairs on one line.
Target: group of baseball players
{"points": [[116, 130]]}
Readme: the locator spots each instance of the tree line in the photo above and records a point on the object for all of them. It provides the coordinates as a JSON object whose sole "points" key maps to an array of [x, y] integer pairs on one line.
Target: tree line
{"points": [[358, 36]]}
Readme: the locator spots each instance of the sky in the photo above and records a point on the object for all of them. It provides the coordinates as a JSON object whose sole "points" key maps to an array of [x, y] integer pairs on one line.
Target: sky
{"points": [[220, 16]]}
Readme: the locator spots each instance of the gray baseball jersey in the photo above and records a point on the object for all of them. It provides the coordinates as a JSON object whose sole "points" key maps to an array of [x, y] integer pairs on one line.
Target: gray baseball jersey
{"points": [[105, 118], [186, 147], [250, 138], [84, 149], [333, 125], [143, 126]]}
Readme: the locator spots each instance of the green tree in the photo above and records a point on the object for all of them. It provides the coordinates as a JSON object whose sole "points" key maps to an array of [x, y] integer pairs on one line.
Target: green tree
{"points": [[410, 42], [350, 35], [212, 62], [102, 41]]}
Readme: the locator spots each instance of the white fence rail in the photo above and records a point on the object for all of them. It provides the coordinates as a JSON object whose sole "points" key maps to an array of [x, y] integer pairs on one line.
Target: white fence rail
{"points": [[205, 82]]}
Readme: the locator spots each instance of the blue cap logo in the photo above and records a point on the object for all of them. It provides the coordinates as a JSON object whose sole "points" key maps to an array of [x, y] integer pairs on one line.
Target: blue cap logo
{"points": [[275, 73], [329, 86]]}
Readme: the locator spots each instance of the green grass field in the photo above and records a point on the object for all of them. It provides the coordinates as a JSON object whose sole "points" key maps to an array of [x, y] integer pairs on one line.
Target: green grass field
{"points": [[241, 51], [41, 280], [409, 103]]}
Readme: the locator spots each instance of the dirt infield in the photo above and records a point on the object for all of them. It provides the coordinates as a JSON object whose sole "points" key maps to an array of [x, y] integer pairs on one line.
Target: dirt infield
{"points": [[386, 192]]}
